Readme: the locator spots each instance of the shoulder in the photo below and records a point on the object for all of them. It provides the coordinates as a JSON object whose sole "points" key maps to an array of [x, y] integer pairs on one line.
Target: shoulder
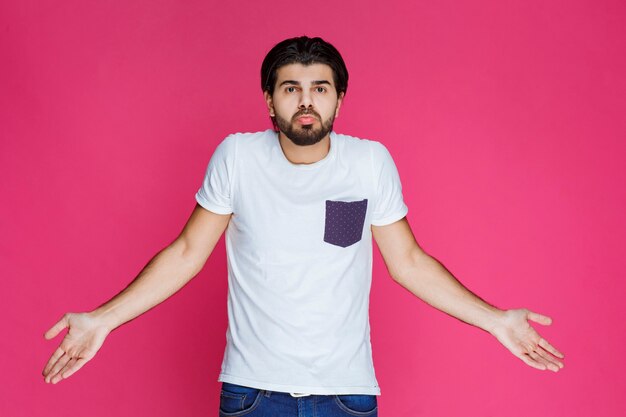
{"points": [[366, 147], [249, 141], [242, 141], [357, 142], [355, 146], [250, 137]]}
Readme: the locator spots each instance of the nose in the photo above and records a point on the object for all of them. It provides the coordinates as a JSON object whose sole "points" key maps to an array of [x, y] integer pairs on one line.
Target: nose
{"points": [[305, 100]]}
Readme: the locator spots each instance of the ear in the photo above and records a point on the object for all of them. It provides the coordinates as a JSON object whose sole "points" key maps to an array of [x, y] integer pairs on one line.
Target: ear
{"points": [[269, 102], [339, 101]]}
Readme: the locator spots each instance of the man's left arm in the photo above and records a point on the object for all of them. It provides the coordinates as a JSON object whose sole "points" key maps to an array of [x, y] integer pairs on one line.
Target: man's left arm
{"points": [[429, 280]]}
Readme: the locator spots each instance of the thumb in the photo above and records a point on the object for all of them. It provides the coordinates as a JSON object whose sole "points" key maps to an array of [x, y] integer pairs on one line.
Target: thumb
{"points": [[56, 329], [539, 318]]}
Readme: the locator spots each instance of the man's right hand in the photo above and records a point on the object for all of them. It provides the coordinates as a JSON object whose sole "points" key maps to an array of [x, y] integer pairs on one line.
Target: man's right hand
{"points": [[81, 343], [167, 272]]}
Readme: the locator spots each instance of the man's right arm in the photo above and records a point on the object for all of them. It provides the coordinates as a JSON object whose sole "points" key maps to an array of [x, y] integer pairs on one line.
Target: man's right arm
{"points": [[166, 273], [169, 270]]}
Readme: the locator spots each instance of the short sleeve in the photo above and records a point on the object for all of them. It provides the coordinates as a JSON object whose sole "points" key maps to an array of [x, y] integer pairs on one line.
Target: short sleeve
{"points": [[389, 204], [215, 192]]}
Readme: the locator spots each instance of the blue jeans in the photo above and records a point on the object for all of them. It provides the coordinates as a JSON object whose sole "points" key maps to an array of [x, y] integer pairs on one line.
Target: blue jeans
{"points": [[238, 400]]}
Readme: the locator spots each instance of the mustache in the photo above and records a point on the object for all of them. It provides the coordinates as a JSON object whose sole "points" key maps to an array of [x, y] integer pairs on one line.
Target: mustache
{"points": [[306, 113]]}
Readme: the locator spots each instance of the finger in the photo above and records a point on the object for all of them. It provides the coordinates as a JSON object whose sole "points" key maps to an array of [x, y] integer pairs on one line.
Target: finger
{"points": [[59, 376], [56, 329], [57, 367], [549, 357], [547, 346], [539, 318], [74, 367], [550, 363], [529, 361], [537, 358], [53, 359]]}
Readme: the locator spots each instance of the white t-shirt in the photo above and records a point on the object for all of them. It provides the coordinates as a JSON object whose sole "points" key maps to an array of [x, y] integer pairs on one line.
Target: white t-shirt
{"points": [[299, 250]]}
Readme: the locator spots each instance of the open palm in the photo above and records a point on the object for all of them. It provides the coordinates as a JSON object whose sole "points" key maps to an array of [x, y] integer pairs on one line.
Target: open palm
{"points": [[517, 335], [83, 340]]}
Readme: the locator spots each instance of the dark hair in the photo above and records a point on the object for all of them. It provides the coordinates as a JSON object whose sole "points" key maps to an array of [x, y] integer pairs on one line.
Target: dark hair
{"points": [[305, 51]]}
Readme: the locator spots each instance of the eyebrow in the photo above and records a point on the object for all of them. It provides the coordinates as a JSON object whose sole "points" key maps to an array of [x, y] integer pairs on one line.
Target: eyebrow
{"points": [[294, 82]]}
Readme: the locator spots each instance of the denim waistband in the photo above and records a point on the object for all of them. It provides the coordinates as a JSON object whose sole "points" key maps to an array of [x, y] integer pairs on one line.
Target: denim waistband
{"points": [[298, 394]]}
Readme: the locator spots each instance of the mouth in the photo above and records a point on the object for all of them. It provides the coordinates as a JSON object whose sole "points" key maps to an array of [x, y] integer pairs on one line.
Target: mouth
{"points": [[306, 119]]}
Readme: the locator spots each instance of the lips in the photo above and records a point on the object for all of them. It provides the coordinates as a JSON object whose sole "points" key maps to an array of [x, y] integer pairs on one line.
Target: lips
{"points": [[307, 119]]}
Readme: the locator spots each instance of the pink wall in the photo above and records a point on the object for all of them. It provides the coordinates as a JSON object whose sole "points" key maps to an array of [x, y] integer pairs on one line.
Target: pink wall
{"points": [[506, 121]]}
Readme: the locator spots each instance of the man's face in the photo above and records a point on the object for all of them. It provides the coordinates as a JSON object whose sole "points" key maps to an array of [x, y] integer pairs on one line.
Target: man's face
{"points": [[305, 102]]}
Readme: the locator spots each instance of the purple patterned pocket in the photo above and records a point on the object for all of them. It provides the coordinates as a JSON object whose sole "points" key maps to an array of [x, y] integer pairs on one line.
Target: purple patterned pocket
{"points": [[344, 222]]}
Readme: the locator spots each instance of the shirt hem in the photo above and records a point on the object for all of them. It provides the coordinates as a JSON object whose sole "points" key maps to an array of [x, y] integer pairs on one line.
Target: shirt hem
{"points": [[212, 207], [338, 390], [390, 219]]}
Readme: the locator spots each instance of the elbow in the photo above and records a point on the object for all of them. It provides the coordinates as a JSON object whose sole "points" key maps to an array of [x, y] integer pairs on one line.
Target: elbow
{"points": [[190, 259], [410, 267]]}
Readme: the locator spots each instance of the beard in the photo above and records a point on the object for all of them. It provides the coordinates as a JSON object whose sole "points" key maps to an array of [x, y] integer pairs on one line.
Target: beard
{"points": [[304, 135]]}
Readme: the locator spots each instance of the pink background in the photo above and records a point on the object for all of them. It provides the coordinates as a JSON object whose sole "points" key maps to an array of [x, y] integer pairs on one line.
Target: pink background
{"points": [[505, 119]]}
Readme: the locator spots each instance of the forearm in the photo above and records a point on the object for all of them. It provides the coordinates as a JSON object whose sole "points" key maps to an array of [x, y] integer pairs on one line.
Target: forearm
{"points": [[430, 281], [166, 273]]}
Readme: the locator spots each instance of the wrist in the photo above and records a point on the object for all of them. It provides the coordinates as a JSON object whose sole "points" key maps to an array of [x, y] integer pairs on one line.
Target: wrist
{"points": [[495, 321], [106, 318]]}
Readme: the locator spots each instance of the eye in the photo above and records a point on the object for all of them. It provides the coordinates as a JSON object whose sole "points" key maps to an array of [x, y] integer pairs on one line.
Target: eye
{"points": [[321, 89], [290, 89]]}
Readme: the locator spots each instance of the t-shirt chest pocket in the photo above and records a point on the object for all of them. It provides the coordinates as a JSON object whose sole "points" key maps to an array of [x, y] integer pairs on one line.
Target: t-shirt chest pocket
{"points": [[344, 220]]}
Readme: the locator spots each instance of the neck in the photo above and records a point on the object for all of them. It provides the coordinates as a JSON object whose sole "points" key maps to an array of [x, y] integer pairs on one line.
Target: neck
{"points": [[310, 154]]}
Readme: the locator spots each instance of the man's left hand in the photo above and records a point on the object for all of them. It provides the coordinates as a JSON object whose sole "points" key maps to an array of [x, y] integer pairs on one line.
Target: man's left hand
{"points": [[516, 334]]}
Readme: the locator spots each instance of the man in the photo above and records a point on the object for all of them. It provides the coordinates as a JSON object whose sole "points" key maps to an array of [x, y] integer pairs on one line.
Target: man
{"points": [[299, 204]]}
